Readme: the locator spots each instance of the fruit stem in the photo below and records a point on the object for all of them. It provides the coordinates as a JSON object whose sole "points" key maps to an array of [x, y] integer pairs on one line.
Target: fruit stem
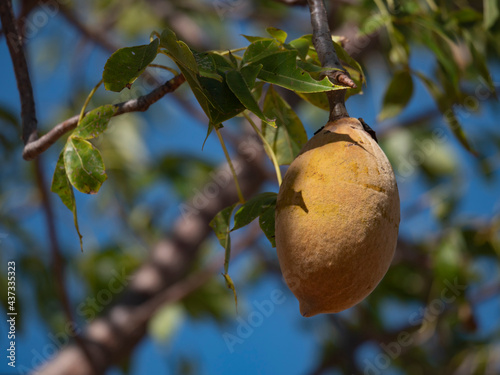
{"points": [[336, 99], [87, 101], [231, 167], [322, 40], [267, 146]]}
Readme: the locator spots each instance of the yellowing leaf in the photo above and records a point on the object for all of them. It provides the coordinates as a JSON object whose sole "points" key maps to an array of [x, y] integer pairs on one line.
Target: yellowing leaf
{"points": [[84, 166], [62, 187], [95, 122]]}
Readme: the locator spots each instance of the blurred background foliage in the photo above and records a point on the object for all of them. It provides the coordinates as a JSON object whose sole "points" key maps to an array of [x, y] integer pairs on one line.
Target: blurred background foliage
{"points": [[433, 71]]}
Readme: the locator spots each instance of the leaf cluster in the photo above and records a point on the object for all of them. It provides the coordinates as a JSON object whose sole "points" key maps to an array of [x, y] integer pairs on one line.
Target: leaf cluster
{"points": [[225, 85], [459, 38]]}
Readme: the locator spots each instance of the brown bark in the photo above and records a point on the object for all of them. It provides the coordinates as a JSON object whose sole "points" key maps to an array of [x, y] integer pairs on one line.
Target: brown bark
{"points": [[111, 337], [140, 104], [16, 50]]}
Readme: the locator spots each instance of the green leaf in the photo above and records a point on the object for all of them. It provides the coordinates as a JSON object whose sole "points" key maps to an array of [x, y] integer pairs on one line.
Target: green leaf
{"points": [[257, 90], [95, 122], [374, 23], [444, 56], [239, 87], [447, 110], [62, 187], [480, 65], [277, 34], [209, 131], [319, 99], [252, 209], [288, 138], [252, 39], [436, 26], [457, 130], [267, 223], [311, 53], [260, 49], [397, 95], [84, 166], [215, 98], [466, 15], [223, 103], [233, 60], [250, 73], [178, 50], [346, 58], [491, 12], [126, 64], [206, 64], [221, 226], [400, 49], [301, 45], [214, 95], [435, 91], [311, 68], [281, 69]]}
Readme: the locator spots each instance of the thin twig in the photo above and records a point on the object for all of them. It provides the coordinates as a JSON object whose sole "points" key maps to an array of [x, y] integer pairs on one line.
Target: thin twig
{"points": [[87, 101], [267, 147], [57, 259], [15, 44], [33, 146], [112, 336], [231, 167], [322, 40], [141, 104]]}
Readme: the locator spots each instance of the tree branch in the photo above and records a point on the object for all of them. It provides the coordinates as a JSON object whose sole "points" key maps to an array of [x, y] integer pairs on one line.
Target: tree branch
{"points": [[111, 337], [188, 285], [57, 259], [141, 104], [15, 44], [322, 40]]}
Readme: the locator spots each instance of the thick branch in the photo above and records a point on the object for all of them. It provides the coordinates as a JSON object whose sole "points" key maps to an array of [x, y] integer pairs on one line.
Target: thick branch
{"points": [[57, 259], [322, 40], [111, 337], [188, 285], [15, 44], [141, 104]]}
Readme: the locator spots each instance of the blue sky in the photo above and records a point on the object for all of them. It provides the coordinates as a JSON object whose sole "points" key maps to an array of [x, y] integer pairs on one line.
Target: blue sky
{"points": [[283, 342]]}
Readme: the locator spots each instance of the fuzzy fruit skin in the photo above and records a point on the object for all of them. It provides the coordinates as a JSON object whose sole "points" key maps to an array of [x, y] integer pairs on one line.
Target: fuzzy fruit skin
{"points": [[337, 219]]}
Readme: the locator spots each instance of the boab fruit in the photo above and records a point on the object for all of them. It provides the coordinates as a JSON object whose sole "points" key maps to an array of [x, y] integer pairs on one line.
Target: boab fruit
{"points": [[337, 219]]}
